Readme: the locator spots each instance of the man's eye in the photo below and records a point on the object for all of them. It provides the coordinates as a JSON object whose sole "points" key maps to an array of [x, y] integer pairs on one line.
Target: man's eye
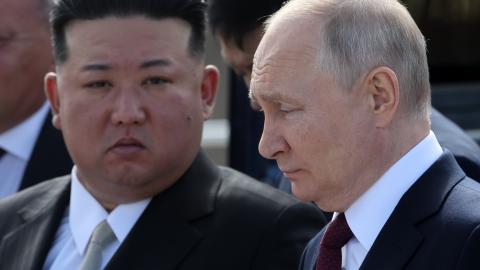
{"points": [[5, 38], [98, 84], [155, 81], [285, 108]]}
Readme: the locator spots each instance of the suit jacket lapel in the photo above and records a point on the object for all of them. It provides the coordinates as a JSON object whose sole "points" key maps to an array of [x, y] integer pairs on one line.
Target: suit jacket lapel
{"points": [[399, 238], [30, 243], [58, 163], [311, 252], [165, 233]]}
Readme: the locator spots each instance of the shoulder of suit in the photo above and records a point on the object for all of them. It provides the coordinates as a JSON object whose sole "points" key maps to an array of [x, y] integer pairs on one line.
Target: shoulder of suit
{"points": [[254, 189], [30, 195], [241, 192], [463, 203], [257, 203], [468, 189]]}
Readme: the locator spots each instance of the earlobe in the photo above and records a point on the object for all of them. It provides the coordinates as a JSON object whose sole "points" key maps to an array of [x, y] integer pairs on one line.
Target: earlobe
{"points": [[51, 91], [383, 93], [209, 90]]}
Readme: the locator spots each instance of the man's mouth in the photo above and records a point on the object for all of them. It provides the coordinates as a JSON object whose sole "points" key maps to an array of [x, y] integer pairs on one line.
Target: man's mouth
{"points": [[127, 146]]}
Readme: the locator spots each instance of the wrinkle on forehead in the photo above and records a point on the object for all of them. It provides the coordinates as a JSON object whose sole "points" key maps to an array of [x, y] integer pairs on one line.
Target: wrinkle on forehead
{"points": [[288, 48], [282, 51], [267, 62], [287, 58]]}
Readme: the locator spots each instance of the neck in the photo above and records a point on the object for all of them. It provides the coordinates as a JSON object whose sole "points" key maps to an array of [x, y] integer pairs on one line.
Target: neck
{"points": [[390, 146]]}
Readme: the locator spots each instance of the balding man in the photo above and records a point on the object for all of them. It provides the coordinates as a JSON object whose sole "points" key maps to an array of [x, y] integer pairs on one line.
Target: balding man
{"points": [[29, 144], [344, 88], [239, 27]]}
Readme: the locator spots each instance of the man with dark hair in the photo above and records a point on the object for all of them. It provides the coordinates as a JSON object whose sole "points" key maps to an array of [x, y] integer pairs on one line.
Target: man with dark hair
{"points": [[130, 95], [28, 141], [237, 24]]}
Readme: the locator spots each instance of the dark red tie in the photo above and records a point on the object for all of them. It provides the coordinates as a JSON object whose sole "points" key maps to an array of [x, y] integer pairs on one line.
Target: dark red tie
{"points": [[336, 236]]}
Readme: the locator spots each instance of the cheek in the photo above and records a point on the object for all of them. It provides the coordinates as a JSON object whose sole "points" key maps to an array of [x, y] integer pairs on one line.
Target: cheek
{"points": [[178, 115], [175, 131], [79, 112], [318, 144], [81, 121], [305, 132], [19, 73]]}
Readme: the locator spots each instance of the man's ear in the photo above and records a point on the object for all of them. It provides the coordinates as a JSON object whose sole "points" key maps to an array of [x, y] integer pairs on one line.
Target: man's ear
{"points": [[383, 94], [209, 90], [51, 91]]}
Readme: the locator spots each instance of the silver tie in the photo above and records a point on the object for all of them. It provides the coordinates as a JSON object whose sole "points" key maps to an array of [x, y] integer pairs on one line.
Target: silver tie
{"points": [[101, 237]]}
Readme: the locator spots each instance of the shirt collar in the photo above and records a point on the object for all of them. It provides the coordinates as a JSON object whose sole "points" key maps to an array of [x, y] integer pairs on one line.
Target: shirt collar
{"points": [[20, 140], [86, 213], [368, 214]]}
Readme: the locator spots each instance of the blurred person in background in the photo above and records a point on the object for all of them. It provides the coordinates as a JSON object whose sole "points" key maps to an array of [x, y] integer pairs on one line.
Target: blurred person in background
{"points": [[29, 144], [238, 26]]}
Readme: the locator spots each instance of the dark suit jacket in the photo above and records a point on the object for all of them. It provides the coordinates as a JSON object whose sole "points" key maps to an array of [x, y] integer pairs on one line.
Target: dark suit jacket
{"points": [[452, 137], [434, 226], [49, 156], [212, 218]]}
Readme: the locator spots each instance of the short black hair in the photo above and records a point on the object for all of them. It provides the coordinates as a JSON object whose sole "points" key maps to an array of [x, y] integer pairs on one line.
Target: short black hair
{"points": [[64, 12], [233, 19]]}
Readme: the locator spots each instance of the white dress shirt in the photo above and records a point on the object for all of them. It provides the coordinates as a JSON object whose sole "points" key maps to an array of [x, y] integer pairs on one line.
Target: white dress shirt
{"points": [[18, 143], [79, 222], [369, 213]]}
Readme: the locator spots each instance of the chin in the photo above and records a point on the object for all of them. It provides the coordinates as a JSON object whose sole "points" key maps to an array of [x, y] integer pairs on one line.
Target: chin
{"points": [[127, 176], [304, 194]]}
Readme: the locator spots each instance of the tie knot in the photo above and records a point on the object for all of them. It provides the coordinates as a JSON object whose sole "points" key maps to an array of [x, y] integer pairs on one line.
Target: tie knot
{"points": [[338, 233], [103, 234], [101, 237]]}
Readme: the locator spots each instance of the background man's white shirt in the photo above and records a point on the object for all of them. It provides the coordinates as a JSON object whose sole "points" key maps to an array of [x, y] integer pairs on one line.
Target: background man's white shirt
{"points": [[18, 143]]}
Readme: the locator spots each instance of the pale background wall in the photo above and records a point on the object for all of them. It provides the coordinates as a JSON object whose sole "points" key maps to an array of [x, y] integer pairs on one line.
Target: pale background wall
{"points": [[216, 131]]}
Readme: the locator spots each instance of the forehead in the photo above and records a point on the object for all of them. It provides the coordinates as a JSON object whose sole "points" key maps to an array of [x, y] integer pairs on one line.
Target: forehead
{"points": [[286, 63], [285, 50], [127, 39], [242, 53], [292, 36]]}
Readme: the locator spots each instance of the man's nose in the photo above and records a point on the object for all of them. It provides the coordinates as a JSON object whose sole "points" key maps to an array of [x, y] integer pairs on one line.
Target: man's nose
{"points": [[272, 142], [129, 108]]}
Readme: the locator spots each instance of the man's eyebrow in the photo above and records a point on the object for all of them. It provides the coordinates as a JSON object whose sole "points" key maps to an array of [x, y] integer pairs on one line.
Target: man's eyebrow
{"points": [[96, 67], [156, 63], [146, 64], [273, 97]]}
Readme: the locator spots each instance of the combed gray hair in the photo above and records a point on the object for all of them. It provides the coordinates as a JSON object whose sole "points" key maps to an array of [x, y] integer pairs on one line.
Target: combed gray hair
{"points": [[360, 35]]}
